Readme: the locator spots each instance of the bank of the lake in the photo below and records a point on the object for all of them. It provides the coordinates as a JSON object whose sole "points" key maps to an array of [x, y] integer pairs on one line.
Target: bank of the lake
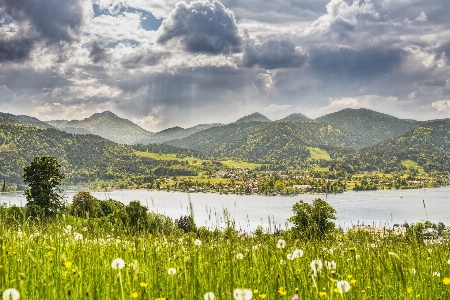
{"points": [[383, 207]]}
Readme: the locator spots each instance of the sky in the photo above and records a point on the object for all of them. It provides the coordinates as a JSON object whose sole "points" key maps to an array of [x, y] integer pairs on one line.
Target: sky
{"points": [[165, 63]]}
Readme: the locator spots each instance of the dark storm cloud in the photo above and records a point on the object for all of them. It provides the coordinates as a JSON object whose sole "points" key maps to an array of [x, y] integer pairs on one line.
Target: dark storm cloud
{"points": [[143, 58], [273, 54], [15, 49], [54, 20], [347, 63], [51, 21], [202, 27], [98, 53]]}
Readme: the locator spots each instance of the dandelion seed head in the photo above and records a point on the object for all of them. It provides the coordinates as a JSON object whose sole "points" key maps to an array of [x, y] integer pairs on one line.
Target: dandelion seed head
{"points": [[343, 286], [281, 244], [242, 294], [330, 265], [316, 265], [78, 236], [118, 264], [297, 253], [171, 271], [209, 296], [11, 294], [437, 274], [197, 242], [239, 256]]}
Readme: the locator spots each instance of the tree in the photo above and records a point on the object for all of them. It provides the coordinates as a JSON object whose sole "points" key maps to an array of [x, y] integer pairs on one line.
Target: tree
{"points": [[43, 177], [313, 221], [85, 205]]}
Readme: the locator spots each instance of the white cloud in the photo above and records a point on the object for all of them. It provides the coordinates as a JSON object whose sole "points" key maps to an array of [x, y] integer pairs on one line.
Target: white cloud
{"points": [[422, 17], [263, 82], [276, 107], [441, 106]]}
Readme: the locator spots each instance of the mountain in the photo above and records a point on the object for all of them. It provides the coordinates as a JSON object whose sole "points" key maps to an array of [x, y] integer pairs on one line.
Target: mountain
{"points": [[108, 126], [370, 126], [25, 120], [254, 117], [298, 117], [176, 133], [268, 141]]}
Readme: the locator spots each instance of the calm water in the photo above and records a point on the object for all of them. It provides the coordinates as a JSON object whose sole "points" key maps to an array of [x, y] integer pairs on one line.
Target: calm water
{"points": [[371, 207]]}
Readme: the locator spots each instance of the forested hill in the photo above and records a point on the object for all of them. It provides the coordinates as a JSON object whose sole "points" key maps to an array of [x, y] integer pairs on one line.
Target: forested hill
{"points": [[21, 119], [297, 117], [108, 126], [175, 133], [370, 126], [268, 141], [254, 117]]}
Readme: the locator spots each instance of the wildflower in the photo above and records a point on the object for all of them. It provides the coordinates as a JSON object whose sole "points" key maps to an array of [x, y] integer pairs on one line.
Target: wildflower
{"points": [[118, 264], [330, 251], [448, 261], [429, 250], [322, 294], [446, 281], [437, 274], [85, 229], [295, 297], [409, 290], [242, 294], [282, 291], [68, 264], [281, 244], [263, 296], [78, 236], [239, 256], [11, 294], [297, 253], [373, 245], [197, 242], [172, 271], [413, 271], [343, 286], [143, 285], [209, 296], [316, 266], [134, 295], [289, 256], [353, 281], [330, 265]]}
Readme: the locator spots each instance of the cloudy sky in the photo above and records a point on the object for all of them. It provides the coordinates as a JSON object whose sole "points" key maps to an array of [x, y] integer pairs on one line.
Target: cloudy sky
{"points": [[163, 63]]}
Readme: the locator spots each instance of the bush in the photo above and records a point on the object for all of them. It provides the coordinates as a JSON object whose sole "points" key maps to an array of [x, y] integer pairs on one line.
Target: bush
{"points": [[85, 205]]}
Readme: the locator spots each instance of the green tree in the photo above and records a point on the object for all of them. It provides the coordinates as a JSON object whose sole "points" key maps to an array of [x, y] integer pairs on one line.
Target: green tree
{"points": [[313, 221], [85, 205], [43, 177]]}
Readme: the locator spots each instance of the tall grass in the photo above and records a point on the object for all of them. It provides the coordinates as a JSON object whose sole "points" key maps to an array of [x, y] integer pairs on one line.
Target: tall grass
{"points": [[56, 261]]}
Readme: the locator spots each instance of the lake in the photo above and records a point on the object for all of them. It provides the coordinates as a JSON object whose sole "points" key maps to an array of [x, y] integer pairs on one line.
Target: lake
{"points": [[385, 208]]}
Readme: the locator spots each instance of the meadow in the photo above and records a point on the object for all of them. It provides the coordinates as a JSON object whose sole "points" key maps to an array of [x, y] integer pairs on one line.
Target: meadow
{"points": [[73, 258]]}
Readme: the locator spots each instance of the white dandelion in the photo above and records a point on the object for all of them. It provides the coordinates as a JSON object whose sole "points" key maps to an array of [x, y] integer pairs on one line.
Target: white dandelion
{"points": [[297, 253], [281, 244], [316, 265], [197, 242], [11, 294], [242, 294], [209, 296], [343, 286], [118, 264], [437, 274], [171, 271], [78, 236], [289, 256], [330, 265], [239, 256]]}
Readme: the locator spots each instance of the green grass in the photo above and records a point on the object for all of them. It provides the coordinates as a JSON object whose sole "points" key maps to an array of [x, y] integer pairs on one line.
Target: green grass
{"points": [[55, 265], [316, 153], [407, 163], [195, 161]]}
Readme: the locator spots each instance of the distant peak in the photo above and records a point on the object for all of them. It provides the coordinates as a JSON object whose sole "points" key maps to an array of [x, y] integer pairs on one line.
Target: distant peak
{"points": [[105, 113], [254, 117]]}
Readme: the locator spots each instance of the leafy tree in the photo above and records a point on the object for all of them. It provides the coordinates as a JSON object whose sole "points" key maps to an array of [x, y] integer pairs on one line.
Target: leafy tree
{"points": [[85, 205], [186, 223], [43, 177], [313, 221]]}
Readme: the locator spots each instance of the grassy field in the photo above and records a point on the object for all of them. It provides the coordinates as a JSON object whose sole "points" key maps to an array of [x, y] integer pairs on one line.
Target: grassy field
{"points": [[54, 262], [316, 153], [407, 163], [196, 161]]}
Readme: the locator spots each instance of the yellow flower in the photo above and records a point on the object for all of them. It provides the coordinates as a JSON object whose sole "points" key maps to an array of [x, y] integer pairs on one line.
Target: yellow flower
{"points": [[409, 290], [161, 299], [446, 281], [49, 254], [134, 295], [143, 284], [53, 248], [429, 258], [363, 291], [282, 291], [322, 294], [135, 277], [263, 296], [336, 290], [418, 296], [1, 267], [255, 291], [353, 281], [68, 264]]}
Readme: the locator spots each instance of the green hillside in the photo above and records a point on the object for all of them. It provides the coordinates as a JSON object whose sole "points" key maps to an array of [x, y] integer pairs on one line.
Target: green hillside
{"points": [[108, 126], [298, 117], [254, 117], [370, 126]]}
